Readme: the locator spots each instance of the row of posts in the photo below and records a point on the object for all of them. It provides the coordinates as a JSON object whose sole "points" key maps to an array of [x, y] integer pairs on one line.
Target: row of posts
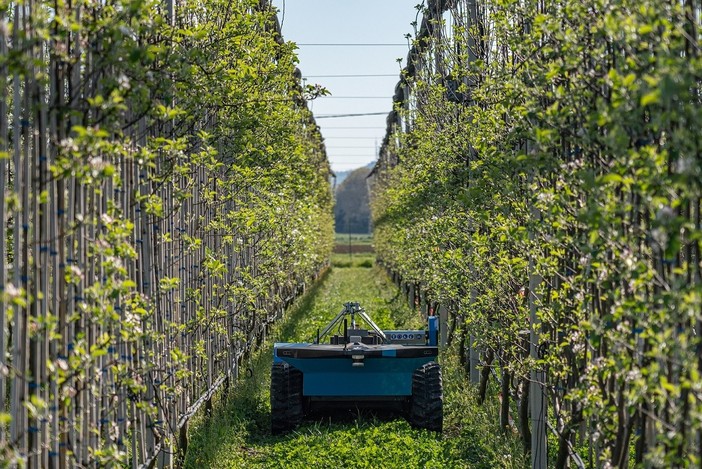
{"points": [[418, 298]]}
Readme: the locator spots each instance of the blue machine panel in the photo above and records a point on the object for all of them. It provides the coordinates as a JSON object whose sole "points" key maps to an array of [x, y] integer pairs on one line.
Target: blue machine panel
{"points": [[409, 337], [337, 377], [433, 330]]}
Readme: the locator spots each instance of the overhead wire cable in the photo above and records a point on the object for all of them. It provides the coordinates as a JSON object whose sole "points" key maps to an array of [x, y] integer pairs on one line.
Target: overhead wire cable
{"points": [[354, 76], [356, 44], [354, 97], [331, 116]]}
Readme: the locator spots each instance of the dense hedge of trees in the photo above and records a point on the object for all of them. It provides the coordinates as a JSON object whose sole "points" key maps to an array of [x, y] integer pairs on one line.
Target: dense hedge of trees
{"points": [[542, 180], [164, 196]]}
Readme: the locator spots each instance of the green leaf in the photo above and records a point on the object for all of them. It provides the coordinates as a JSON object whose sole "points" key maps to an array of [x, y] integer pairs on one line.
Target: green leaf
{"points": [[651, 98], [645, 29], [611, 178]]}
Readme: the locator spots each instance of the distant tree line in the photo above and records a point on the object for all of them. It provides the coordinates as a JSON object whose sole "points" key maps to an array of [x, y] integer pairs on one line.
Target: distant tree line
{"points": [[352, 212]]}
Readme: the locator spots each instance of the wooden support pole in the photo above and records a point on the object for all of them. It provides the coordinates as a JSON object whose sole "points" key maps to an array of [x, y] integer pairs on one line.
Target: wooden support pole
{"points": [[17, 347], [443, 325], [4, 147], [474, 360], [538, 406]]}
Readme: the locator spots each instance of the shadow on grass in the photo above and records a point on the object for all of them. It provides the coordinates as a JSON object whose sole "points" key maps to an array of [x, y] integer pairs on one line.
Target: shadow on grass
{"points": [[345, 414]]}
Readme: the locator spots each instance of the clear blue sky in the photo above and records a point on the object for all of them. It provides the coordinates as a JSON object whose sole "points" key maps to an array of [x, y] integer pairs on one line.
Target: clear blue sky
{"points": [[351, 141]]}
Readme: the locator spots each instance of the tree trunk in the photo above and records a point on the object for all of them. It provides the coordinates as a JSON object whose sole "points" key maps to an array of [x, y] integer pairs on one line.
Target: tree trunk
{"points": [[524, 416], [484, 376], [564, 439], [504, 405], [462, 357]]}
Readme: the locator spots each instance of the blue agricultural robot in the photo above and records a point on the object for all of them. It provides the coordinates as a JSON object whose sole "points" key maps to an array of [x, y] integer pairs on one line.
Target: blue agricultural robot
{"points": [[347, 365]]}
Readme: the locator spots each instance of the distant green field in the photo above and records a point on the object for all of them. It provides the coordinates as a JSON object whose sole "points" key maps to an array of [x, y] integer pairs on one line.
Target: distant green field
{"points": [[343, 238], [363, 259]]}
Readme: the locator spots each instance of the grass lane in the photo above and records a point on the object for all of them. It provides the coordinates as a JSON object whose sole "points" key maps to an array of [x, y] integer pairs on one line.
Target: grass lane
{"points": [[237, 434]]}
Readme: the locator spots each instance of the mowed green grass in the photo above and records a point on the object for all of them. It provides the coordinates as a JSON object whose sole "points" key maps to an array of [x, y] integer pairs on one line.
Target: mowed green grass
{"points": [[237, 434], [360, 259]]}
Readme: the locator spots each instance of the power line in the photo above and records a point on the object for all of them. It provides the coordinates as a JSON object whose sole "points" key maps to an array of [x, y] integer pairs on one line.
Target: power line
{"points": [[354, 76], [350, 158], [331, 116], [357, 97], [372, 127], [351, 138], [354, 44]]}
